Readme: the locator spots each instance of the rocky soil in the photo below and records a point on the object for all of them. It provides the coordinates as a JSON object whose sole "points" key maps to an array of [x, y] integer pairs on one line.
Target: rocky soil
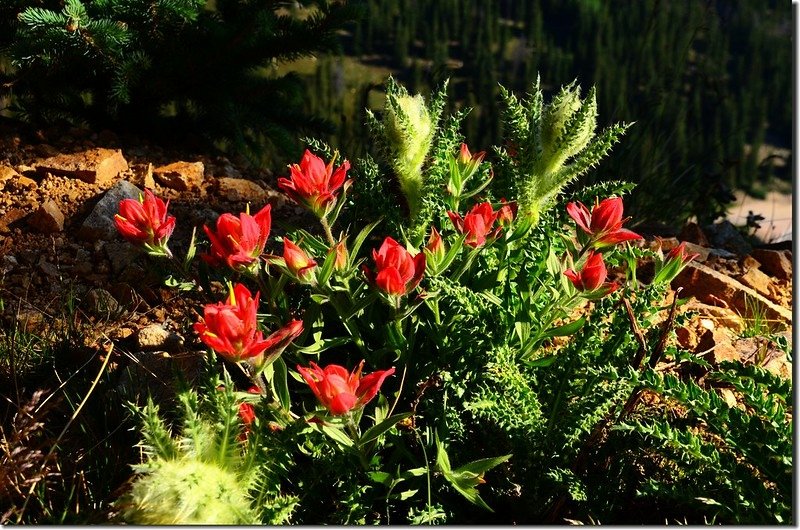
{"points": [[63, 266]]}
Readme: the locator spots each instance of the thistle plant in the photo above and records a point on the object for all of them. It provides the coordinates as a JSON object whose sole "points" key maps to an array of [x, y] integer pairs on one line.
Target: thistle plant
{"points": [[548, 145], [406, 133], [210, 474]]}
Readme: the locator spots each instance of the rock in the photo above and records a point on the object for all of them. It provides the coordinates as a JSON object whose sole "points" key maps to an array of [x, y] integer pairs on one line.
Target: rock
{"points": [[107, 137], [692, 233], [760, 282], [716, 347], [180, 176], [778, 263], [10, 217], [143, 175], [155, 337], [95, 166], [8, 262], [7, 173], [714, 288], [702, 252], [21, 183], [101, 303], [99, 224], [121, 254], [236, 190], [48, 218], [29, 320], [128, 297], [720, 316], [45, 150], [749, 262], [49, 269], [724, 235], [764, 352]]}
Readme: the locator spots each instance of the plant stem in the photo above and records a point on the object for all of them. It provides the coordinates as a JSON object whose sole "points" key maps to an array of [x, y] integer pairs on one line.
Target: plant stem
{"points": [[325, 226]]}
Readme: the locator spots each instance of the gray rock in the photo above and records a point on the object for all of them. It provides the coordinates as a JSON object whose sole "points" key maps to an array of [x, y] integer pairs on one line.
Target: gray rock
{"points": [[101, 303], [725, 236], [100, 222], [155, 337], [121, 254]]}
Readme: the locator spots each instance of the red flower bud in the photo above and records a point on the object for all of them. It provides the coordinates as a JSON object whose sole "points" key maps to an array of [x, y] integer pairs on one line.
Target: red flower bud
{"points": [[297, 261], [604, 223], [341, 255], [340, 391], [145, 221], [507, 212], [465, 158], [247, 413], [435, 244], [591, 280], [477, 224], [396, 271], [679, 253], [240, 241], [313, 184]]}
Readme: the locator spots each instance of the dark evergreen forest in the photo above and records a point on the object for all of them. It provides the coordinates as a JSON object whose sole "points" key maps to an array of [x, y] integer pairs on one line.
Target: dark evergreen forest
{"points": [[708, 83]]}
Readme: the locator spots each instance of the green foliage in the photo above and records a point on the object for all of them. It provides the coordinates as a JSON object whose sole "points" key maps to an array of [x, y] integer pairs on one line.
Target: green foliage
{"points": [[738, 468], [176, 65]]}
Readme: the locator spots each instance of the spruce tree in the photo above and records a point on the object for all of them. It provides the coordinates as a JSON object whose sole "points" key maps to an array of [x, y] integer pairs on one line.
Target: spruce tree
{"points": [[171, 66]]}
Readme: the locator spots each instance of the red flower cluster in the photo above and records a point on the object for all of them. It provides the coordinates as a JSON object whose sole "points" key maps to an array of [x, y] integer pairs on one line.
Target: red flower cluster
{"points": [[340, 391], [231, 328], [145, 221], [238, 242], [396, 271], [604, 223], [591, 279], [478, 223], [314, 184]]}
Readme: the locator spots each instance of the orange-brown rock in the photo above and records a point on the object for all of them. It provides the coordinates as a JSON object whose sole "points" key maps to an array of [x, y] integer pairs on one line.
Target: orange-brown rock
{"points": [[180, 176], [778, 263], [11, 216], [7, 173], [48, 218], [95, 166], [20, 183], [714, 288], [720, 316], [716, 346], [143, 176], [761, 283], [236, 190]]}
